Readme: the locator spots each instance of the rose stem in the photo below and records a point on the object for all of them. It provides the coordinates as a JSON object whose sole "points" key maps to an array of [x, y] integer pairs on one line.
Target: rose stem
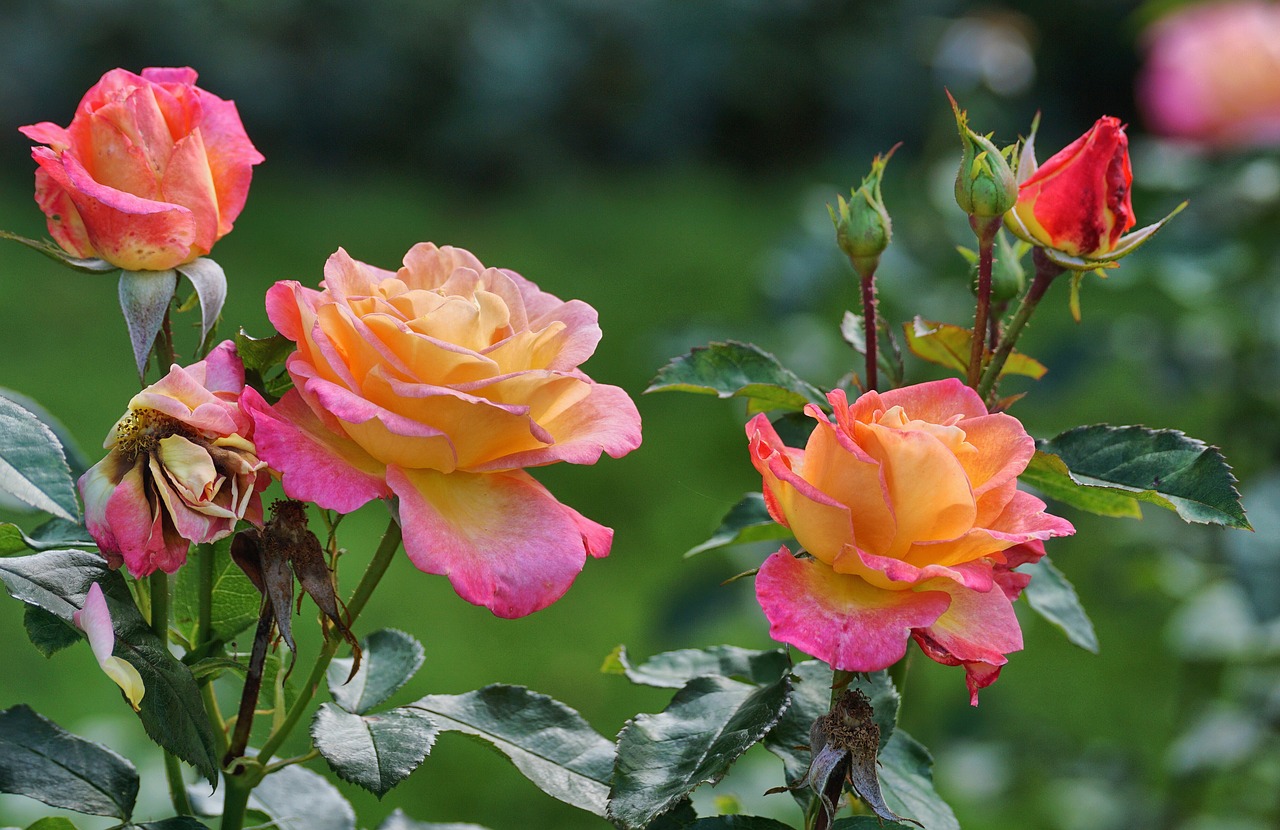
{"points": [[1046, 272], [252, 683], [377, 567], [158, 583], [871, 323], [986, 233]]}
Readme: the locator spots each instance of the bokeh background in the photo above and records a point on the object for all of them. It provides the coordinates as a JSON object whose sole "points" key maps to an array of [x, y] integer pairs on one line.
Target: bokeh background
{"points": [[669, 162]]}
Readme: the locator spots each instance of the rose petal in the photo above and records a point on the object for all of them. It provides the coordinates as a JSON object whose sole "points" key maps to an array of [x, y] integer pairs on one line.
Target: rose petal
{"points": [[94, 619], [978, 630]]}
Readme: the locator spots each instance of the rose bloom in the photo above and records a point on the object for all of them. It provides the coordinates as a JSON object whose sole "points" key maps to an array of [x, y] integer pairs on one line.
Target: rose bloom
{"points": [[436, 385], [152, 171], [181, 468], [1078, 201], [907, 506], [1212, 74]]}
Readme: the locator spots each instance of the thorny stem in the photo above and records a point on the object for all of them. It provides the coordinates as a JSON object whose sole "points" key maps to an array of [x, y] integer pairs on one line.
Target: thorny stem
{"points": [[871, 322], [252, 684], [986, 233], [1046, 272]]}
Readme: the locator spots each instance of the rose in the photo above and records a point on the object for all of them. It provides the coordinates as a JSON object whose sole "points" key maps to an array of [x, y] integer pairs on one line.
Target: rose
{"points": [[181, 468], [437, 385], [152, 171], [908, 508], [1078, 201], [1212, 74]]}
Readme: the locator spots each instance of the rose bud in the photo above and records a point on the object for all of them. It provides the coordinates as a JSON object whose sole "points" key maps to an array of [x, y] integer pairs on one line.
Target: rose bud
{"points": [[863, 229]]}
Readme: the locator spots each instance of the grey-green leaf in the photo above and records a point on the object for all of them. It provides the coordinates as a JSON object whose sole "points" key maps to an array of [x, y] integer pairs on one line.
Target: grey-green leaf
{"points": [[390, 659], [399, 821], [906, 779], [172, 712], [376, 752], [261, 354], [1048, 474], [235, 601], [210, 282], [33, 467], [41, 760], [144, 299], [75, 458], [673, 669], [47, 632], [547, 741], [298, 799], [746, 521], [737, 370], [1053, 597], [737, 823], [706, 727], [1162, 467], [53, 823], [870, 823]]}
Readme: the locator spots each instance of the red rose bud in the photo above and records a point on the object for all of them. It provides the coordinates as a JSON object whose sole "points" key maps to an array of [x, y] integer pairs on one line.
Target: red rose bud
{"points": [[863, 228], [985, 186], [1078, 201]]}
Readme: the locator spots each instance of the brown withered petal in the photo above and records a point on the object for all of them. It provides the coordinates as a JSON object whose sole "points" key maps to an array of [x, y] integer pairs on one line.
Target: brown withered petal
{"points": [[247, 554], [317, 580]]}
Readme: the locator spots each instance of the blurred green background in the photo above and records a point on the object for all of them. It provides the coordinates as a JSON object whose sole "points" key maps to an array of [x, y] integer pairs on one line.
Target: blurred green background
{"points": [[669, 162]]}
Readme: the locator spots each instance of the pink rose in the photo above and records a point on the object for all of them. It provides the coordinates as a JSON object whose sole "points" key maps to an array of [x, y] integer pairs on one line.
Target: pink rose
{"points": [[182, 468], [152, 171], [907, 506], [1212, 74], [437, 385]]}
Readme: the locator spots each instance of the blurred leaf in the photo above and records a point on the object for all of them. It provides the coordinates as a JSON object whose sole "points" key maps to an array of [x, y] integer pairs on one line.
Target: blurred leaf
{"points": [[390, 659], [261, 354], [376, 752], [679, 817], [47, 632], [144, 299], [12, 539], [906, 776], [55, 533], [75, 457], [41, 760], [52, 823], [737, 370], [737, 823], [870, 823], [210, 282], [1048, 474], [853, 329], [235, 602], [213, 667], [949, 346], [746, 521], [673, 669], [1163, 467], [175, 823], [399, 821], [547, 741], [299, 799], [33, 467], [1052, 597], [172, 712], [706, 727]]}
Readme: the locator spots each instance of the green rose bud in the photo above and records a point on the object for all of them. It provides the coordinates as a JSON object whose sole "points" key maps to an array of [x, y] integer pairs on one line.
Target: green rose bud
{"points": [[985, 184], [863, 228]]}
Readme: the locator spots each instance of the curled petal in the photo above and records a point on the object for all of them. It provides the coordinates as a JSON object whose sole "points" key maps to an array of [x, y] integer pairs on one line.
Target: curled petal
{"points": [[977, 631], [95, 621]]}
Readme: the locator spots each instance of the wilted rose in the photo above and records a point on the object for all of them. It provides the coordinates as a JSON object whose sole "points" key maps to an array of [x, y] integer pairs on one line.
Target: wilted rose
{"points": [[907, 507], [1212, 74], [181, 468], [1078, 201], [438, 384], [152, 171]]}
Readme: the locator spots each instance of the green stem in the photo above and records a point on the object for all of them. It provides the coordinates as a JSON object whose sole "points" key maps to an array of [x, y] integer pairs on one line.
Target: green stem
{"points": [[159, 589], [204, 613], [377, 567], [1046, 272], [214, 712], [235, 800], [164, 346], [986, 233]]}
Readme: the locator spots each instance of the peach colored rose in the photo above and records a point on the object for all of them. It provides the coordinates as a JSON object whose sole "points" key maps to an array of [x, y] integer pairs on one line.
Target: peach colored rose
{"points": [[181, 468], [906, 504], [1212, 74], [436, 385], [152, 171]]}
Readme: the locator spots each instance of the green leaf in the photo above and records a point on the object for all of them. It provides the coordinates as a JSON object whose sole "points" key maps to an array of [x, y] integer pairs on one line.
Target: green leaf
{"points": [[870, 823], [75, 458], [12, 539], [737, 823], [172, 712], [144, 299], [399, 821], [906, 779], [706, 727], [41, 760], [175, 823], [86, 266], [47, 632], [746, 521], [213, 667], [1163, 467], [262, 354], [52, 823], [737, 370], [1052, 597], [853, 330], [33, 467], [1048, 474], [376, 752], [673, 669], [390, 658], [235, 600], [299, 799], [949, 346], [547, 741], [55, 533]]}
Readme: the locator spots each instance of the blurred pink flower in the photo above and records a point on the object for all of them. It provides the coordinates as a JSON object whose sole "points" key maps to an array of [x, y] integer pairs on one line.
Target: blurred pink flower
{"points": [[1213, 74]]}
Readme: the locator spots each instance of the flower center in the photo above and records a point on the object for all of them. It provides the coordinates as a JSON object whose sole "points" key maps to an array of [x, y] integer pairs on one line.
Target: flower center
{"points": [[141, 431]]}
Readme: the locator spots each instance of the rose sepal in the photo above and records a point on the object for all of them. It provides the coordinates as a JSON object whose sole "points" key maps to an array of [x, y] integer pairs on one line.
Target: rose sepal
{"points": [[53, 252], [1126, 245]]}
